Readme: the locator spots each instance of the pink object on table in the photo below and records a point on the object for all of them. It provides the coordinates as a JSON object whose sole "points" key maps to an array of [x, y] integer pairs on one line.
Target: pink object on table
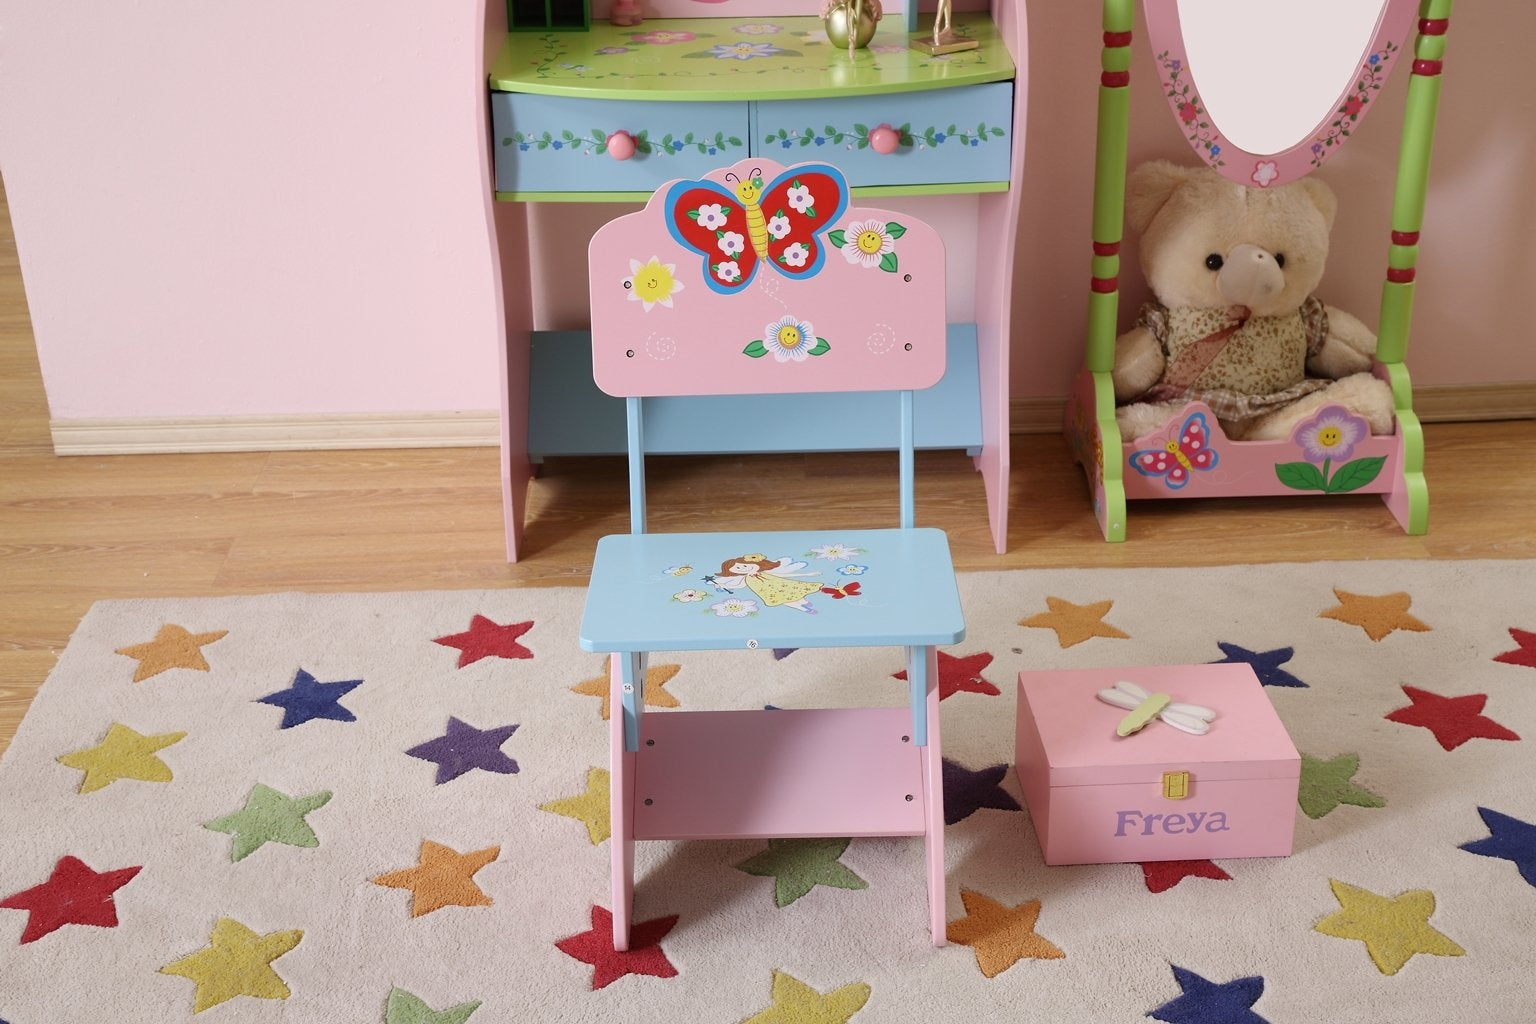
{"points": [[1098, 798], [621, 145], [884, 139]]}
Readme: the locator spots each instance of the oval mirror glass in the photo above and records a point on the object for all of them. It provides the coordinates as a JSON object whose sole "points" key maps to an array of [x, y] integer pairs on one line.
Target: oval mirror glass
{"points": [[1265, 91]]}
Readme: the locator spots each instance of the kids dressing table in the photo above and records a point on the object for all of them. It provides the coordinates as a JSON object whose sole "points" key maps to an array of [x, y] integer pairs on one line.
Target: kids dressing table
{"points": [[610, 113]]}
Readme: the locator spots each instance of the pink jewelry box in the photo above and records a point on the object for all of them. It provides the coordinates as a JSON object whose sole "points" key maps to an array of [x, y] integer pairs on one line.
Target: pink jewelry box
{"points": [[1099, 798]]}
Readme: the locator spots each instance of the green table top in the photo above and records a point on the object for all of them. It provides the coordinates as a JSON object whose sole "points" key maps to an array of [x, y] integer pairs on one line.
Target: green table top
{"points": [[740, 59]]}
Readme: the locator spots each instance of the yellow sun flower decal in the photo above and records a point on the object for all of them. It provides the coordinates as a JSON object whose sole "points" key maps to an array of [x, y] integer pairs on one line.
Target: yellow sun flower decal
{"points": [[652, 283], [869, 243]]}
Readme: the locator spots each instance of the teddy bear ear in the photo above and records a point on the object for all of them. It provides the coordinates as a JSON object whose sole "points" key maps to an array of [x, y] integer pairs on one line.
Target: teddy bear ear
{"points": [[1322, 197], [1149, 187]]}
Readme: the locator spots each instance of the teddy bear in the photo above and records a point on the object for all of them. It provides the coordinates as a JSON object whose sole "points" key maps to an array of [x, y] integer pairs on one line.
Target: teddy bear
{"points": [[1234, 322]]}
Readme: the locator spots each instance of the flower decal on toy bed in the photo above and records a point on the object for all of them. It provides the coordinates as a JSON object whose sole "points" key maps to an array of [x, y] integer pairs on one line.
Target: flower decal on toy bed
{"points": [[789, 339], [1180, 91], [1176, 458], [652, 283], [869, 243], [1327, 441]]}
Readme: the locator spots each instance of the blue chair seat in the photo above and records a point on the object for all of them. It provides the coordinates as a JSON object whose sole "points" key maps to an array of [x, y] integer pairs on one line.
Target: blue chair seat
{"points": [[865, 588]]}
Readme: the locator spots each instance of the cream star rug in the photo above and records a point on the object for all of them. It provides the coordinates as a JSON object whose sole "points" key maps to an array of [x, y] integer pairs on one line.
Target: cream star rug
{"points": [[393, 807]]}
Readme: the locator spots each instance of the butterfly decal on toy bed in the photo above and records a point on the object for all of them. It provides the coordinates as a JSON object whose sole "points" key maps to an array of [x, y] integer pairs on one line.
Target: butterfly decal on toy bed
{"points": [[738, 229], [1176, 459]]}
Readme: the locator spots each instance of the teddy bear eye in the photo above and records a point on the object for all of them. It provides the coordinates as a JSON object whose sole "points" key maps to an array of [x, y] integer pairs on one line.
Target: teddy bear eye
{"points": [[1280, 260], [1213, 261]]}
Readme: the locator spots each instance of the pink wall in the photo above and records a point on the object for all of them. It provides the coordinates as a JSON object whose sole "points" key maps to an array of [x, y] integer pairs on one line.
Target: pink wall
{"points": [[239, 209]]}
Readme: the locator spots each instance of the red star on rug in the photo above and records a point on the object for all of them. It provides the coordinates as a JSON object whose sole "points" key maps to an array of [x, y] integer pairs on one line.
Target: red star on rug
{"points": [[956, 674], [487, 639], [1162, 875], [73, 894], [1524, 654], [1453, 720], [644, 955]]}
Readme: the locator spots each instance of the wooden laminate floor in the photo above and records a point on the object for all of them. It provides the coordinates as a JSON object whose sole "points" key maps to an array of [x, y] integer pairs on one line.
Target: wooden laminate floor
{"points": [[74, 530]]}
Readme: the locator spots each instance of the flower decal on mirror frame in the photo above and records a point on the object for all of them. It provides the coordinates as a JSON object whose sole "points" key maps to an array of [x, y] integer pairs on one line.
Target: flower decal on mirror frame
{"points": [[869, 243], [790, 340], [652, 283], [1327, 442]]}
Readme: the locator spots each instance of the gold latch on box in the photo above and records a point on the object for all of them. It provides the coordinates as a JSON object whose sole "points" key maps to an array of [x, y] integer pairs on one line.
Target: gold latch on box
{"points": [[1175, 785]]}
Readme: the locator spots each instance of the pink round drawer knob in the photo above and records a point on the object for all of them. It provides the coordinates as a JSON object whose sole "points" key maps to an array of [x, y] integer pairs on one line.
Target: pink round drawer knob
{"points": [[884, 139], [621, 145]]}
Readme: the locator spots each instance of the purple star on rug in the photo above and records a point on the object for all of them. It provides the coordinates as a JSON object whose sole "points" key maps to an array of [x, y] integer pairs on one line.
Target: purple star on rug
{"points": [[308, 698], [1265, 664], [966, 792], [464, 748], [1205, 1002], [1512, 840]]}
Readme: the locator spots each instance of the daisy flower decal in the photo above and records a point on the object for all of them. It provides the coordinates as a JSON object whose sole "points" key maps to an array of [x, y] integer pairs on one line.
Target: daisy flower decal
{"points": [[835, 552], [790, 340], [652, 283], [869, 243], [1327, 442], [734, 608]]}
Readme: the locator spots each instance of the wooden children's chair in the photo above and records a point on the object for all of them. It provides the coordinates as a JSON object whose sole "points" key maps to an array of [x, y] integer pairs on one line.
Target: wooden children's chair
{"points": [[1190, 456], [759, 280]]}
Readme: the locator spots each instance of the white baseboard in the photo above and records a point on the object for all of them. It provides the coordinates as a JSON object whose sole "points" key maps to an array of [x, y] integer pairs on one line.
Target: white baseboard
{"points": [[468, 429], [274, 433]]}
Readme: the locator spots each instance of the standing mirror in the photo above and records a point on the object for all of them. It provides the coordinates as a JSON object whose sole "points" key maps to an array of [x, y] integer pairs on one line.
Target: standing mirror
{"points": [[1265, 92]]}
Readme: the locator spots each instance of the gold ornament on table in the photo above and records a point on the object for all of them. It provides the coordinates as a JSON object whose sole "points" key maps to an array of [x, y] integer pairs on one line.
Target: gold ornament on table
{"points": [[850, 23], [945, 39]]}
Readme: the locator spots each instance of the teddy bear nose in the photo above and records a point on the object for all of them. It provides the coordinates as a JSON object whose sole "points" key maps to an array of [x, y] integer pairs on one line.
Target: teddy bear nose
{"points": [[1249, 274]]}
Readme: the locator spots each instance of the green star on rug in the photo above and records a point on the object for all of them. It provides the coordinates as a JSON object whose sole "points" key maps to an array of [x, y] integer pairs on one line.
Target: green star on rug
{"points": [[590, 808], [799, 865], [1393, 928], [1326, 784], [404, 1008], [795, 1002], [236, 962], [270, 817]]}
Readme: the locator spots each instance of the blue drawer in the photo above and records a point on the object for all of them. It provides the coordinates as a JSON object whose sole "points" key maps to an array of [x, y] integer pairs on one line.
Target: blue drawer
{"points": [[559, 143], [955, 135]]}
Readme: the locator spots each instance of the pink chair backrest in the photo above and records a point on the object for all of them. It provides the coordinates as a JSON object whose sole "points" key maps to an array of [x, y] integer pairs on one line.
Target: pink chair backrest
{"points": [[761, 279]]}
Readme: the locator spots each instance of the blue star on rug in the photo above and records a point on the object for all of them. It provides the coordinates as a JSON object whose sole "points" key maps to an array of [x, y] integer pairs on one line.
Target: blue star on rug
{"points": [[308, 699], [1265, 664], [464, 748], [1205, 1002], [966, 791], [1512, 840]]}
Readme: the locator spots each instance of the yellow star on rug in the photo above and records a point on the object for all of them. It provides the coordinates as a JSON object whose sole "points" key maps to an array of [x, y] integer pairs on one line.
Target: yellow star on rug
{"points": [[123, 754], [236, 962], [442, 877], [1378, 616], [1075, 623], [172, 647], [795, 1002], [655, 694], [1000, 936], [1393, 928], [589, 808]]}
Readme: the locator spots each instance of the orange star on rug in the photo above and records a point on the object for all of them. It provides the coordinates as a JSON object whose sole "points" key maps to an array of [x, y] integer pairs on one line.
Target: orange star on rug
{"points": [[172, 647], [443, 877], [1000, 936], [1378, 616], [1075, 623], [655, 694]]}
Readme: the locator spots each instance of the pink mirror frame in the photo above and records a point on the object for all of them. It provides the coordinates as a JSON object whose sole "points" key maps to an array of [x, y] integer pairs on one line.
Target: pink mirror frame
{"points": [[1177, 79]]}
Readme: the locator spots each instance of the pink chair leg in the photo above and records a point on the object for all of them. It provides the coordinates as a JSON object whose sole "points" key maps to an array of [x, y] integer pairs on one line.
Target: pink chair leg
{"points": [[621, 803], [933, 796]]}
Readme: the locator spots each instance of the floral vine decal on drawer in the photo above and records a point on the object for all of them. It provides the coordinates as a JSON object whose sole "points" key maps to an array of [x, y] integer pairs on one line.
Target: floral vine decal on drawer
{"points": [[857, 136], [1325, 439], [1191, 111], [1372, 74], [596, 141]]}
